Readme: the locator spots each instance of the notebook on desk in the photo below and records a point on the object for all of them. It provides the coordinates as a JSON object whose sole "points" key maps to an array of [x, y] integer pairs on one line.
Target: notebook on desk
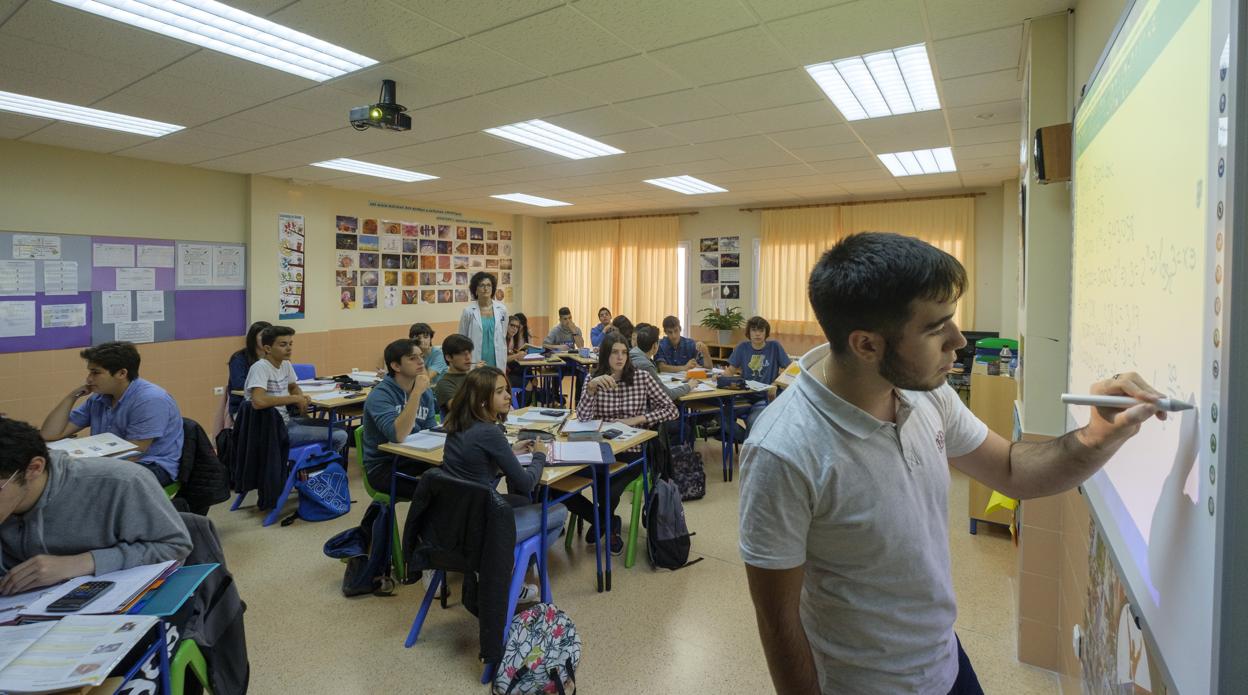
{"points": [[103, 444]]}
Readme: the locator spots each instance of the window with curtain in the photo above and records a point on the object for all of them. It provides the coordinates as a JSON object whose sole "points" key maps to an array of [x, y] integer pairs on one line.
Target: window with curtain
{"points": [[627, 265], [793, 240]]}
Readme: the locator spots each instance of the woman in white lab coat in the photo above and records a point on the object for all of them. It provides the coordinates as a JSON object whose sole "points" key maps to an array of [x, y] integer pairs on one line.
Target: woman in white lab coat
{"points": [[484, 321]]}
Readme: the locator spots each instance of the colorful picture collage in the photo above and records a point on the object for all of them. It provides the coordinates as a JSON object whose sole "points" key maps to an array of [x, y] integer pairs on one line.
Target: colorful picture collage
{"points": [[386, 263], [290, 266], [720, 267]]}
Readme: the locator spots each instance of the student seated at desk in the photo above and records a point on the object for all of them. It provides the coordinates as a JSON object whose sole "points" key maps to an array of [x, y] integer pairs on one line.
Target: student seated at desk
{"points": [[240, 363], [458, 352], [477, 450], [121, 403], [604, 325], [757, 359], [564, 334], [435, 361], [518, 338], [620, 324], [271, 383], [677, 354], [398, 406], [642, 357], [619, 392], [62, 518]]}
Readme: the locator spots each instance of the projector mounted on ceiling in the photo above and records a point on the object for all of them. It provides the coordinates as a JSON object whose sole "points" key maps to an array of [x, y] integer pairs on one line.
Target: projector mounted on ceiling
{"points": [[384, 114]]}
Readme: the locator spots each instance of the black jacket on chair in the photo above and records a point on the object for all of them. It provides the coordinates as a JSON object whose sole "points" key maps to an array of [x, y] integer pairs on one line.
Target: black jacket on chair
{"points": [[203, 477], [216, 621], [461, 526], [261, 447]]}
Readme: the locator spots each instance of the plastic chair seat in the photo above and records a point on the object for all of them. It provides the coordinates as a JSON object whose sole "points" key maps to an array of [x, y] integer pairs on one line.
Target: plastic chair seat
{"points": [[187, 656]]}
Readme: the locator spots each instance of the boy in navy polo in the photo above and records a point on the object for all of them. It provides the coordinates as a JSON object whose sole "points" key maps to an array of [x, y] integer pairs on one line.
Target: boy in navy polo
{"points": [[134, 409], [677, 354]]}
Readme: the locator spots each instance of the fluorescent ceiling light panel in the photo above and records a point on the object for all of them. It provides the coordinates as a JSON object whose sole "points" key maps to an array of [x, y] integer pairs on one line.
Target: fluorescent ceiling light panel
{"points": [[687, 185], [58, 111], [880, 84], [355, 166], [222, 28], [918, 162], [550, 137], [530, 200]]}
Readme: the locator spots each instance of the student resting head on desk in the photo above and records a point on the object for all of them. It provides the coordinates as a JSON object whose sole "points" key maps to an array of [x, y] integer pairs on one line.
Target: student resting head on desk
{"points": [[63, 518], [619, 392], [477, 450], [399, 405], [121, 403]]}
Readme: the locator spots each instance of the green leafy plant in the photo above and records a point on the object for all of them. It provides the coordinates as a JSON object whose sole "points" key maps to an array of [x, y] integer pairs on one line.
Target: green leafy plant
{"points": [[722, 321]]}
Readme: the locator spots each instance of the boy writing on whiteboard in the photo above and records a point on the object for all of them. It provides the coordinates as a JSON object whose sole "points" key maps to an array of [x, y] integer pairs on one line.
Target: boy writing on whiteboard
{"points": [[844, 478]]}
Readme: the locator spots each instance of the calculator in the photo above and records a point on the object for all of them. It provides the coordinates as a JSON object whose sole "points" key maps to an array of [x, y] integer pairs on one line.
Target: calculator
{"points": [[78, 598]]}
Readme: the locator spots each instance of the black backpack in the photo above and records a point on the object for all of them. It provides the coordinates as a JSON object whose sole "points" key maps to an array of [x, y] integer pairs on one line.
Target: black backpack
{"points": [[366, 548], [667, 536], [687, 472]]}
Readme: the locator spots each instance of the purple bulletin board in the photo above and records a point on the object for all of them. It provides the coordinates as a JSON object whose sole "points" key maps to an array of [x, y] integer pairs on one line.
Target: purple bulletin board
{"points": [[104, 279], [51, 338], [209, 313]]}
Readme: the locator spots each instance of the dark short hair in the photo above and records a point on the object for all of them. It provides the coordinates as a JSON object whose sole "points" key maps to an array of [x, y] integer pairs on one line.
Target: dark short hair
{"points": [[419, 329], [19, 443], [757, 323], [456, 344], [609, 339], [670, 322], [602, 309], [564, 311], [624, 327], [479, 277], [867, 282], [647, 336], [252, 343], [270, 335], [114, 356], [396, 351], [466, 407]]}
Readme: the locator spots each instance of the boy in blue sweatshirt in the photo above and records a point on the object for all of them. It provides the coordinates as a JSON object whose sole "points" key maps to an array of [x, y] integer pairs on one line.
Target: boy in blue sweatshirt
{"points": [[399, 405]]}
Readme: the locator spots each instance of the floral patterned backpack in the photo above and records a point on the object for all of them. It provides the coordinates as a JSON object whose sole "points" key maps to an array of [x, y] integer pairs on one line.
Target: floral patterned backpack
{"points": [[541, 654]]}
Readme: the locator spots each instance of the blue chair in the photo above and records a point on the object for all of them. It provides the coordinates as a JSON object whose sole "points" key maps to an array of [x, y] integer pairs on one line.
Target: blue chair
{"points": [[300, 457], [305, 371]]}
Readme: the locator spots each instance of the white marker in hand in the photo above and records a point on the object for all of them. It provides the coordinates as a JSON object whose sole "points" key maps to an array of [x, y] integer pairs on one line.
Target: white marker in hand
{"points": [[1169, 405]]}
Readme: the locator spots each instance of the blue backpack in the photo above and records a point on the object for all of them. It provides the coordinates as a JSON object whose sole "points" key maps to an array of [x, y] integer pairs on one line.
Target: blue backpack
{"points": [[324, 494]]}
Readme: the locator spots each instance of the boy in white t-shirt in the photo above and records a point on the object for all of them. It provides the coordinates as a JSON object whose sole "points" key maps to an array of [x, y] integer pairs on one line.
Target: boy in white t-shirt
{"points": [[271, 382]]}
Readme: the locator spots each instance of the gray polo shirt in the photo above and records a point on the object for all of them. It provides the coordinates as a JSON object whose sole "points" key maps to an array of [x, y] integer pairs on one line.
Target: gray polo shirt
{"points": [[562, 336], [863, 505]]}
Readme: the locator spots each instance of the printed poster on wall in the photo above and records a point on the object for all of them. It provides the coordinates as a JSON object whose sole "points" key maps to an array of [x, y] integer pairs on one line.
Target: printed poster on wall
{"points": [[290, 245]]}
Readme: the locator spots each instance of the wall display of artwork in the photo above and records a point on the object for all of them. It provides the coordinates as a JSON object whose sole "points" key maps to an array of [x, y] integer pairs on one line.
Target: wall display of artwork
{"points": [[387, 263], [290, 246], [719, 267]]}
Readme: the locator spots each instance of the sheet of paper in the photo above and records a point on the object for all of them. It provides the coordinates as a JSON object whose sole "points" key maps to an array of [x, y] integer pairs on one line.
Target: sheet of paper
{"points": [[102, 444], [155, 256], [730, 275], [17, 319], [575, 425], [319, 387], [703, 386], [135, 331], [15, 639], [536, 415], [227, 265], [576, 452], [127, 584], [425, 441], [149, 305], [60, 277], [114, 306], [77, 651], [63, 315], [38, 247], [195, 264], [17, 278], [136, 278], [756, 385], [113, 255]]}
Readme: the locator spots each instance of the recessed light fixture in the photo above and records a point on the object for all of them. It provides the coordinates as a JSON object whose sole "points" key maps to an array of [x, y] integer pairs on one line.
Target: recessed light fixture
{"points": [[550, 137], [886, 83], [917, 162], [687, 185], [355, 166], [58, 111], [530, 200], [222, 28]]}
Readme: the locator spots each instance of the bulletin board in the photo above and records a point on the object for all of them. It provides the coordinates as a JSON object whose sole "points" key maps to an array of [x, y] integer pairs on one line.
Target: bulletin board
{"points": [[64, 290]]}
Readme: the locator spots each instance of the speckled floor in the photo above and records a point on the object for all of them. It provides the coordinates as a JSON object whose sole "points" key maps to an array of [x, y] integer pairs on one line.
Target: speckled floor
{"points": [[690, 631]]}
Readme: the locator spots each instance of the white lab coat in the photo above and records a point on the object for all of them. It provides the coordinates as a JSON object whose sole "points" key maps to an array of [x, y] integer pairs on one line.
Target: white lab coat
{"points": [[470, 325]]}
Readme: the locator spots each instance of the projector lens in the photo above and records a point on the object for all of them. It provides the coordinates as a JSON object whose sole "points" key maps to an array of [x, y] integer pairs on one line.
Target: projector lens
{"points": [[375, 114]]}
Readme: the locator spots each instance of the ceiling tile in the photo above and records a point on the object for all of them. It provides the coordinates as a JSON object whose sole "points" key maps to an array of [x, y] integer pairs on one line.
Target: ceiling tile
{"points": [[847, 150], [411, 90], [675, 107], [1001, 161], [850, 29], [811, 137], [172, 100], [506, 161], [857, 164], [222, 71], [558, 40], [797, 116], [60, 73], [751, 151], [652, 24], [782, 88], [621, 80], [464, 68], [81, 137], [998, 49], [61, 26], [989, 87], [1004, 132], [995, 149], [984, 114], [598, 121], [378, 29], [708, 129], [770, 9], [644, 139], [452, 148], [13, 126], [871, 188], [956, 17], [911, 131], [930, 181], [538, 99], [455, 118], [743, 53], [173, 152], [472, 16], [816, 191]]}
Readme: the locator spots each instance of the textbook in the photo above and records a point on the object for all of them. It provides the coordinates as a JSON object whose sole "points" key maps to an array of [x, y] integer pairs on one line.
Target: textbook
{"points": [[74, 652], [582, 430], [425, 440], [104, 444]]}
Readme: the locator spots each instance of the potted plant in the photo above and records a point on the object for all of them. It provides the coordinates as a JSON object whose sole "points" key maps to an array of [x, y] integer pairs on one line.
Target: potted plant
{"points": [[724, 322]]}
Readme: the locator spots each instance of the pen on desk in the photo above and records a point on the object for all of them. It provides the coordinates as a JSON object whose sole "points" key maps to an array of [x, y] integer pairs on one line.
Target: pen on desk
{"points": [[1167, 404]]}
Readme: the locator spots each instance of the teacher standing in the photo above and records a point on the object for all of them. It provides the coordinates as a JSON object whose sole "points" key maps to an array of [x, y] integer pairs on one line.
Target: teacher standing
{"points": [[485, 322]]}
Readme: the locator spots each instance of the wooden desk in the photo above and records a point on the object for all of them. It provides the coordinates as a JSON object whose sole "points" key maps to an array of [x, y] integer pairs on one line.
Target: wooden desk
{"points": [[992, 400]]}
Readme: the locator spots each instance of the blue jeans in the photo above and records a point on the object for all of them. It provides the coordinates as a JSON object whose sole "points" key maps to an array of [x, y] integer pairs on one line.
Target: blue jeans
{"points": [[302, 430]]}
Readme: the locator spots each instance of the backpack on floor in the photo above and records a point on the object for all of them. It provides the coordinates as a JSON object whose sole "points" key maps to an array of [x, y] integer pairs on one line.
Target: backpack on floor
{"points": [[667, 536], [323, 494], [366, 548], [687, 472], [542, 654]]}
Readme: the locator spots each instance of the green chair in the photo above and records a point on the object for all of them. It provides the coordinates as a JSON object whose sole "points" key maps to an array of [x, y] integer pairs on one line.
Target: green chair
{"points": [[630, 548], [187, 656], [396, 549], [172, 489]]}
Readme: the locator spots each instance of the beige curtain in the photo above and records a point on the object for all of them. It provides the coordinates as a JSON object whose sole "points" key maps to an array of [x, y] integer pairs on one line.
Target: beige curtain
{"points": [[583, 275], [647, 271], [793, 240]]}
